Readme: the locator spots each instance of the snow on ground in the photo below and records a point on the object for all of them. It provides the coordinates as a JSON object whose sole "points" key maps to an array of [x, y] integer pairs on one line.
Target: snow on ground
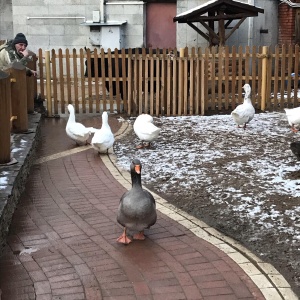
{"points": [[249, 170]]}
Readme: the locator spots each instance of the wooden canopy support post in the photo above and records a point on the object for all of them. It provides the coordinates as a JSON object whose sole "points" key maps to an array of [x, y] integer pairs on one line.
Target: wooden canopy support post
{"points": [[5, 113], [19, 97], [264, 77], [48, 84]]}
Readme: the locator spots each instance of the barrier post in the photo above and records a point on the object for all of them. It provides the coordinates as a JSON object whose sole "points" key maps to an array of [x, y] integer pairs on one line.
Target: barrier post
{"points": [[5, 114], [264, 74], [19, 97], [48, 83], [30, 88]]}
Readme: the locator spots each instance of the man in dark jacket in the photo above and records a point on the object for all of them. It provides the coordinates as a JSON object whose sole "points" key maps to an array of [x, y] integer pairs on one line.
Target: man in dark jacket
{"points": [[16, 50]]}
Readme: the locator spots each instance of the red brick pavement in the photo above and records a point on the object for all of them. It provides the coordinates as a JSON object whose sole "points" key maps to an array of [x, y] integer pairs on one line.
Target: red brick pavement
{"points": [[62, 241]]}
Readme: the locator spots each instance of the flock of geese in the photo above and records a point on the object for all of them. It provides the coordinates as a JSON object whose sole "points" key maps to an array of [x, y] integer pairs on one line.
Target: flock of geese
{"points": [[137, 209]]}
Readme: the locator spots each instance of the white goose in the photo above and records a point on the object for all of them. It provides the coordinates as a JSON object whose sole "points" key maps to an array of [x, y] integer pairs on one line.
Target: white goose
{"points": [[145, 130], [103, 138], [293, 116], [137, 208], [244, 113], [77, 131]]}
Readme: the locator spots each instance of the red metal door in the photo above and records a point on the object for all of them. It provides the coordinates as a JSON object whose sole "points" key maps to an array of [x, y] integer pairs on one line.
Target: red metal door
{"points": [[160, 28]]}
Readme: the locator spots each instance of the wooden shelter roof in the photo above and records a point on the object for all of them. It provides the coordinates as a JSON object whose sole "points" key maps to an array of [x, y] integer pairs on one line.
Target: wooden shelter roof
{"points": [[218, 11]]}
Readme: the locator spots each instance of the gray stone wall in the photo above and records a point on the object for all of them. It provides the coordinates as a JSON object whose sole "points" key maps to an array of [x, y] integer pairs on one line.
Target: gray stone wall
{"points": [[6, 24], [58, 24]]}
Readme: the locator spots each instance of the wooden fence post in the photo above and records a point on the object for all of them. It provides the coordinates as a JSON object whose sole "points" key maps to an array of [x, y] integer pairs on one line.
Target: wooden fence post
{"points": [[264, 74], [19, 96], [48, 83], [30, 88], [5, 114]]}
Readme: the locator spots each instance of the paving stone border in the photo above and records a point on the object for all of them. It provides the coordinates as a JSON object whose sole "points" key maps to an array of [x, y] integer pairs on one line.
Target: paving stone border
{"points": [[271, 283]]}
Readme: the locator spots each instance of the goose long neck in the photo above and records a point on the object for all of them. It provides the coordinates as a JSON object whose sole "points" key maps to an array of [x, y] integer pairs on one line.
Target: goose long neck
{"points": [[71, 116], [136, 179]]}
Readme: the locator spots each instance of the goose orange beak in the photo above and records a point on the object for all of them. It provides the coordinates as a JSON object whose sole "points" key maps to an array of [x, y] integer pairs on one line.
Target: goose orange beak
{"points": [[137, 168]]}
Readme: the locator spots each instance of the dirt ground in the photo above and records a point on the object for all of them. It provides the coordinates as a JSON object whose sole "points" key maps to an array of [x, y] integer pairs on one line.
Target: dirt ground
{"points": [[245, 183]]}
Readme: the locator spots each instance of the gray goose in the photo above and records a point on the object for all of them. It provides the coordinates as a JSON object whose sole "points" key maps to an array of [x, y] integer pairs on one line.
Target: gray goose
{"points": [[137, 208]]}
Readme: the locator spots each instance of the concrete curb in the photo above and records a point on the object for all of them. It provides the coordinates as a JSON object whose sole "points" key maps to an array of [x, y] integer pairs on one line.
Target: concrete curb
{"points": [[271, 283]]}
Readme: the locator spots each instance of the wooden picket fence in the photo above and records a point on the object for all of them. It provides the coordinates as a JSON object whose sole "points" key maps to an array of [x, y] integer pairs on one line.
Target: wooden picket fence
{"points": [[167, 82]]}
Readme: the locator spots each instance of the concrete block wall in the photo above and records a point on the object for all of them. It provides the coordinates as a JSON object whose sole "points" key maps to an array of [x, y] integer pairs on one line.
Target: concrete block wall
{"points": [[57, 24], [6, 24]]}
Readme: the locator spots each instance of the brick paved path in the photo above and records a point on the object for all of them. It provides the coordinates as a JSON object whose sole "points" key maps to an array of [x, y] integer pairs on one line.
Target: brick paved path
{"points": [[62, 242]]}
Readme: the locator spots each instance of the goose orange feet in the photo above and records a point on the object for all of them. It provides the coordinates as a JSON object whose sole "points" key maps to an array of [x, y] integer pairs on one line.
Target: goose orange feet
{"points": [[139, 236], [124, 239]]}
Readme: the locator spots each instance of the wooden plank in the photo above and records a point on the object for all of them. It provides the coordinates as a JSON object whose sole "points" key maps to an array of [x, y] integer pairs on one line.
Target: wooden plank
{"points": [[253, 74], [89, 80], [276, 75], [97, 82], [296, 78], [289, 72], [169, 85], [69, 83], [220, 75], [146, 88], [140, 84], [191, 90], [259, 85], [213, 78], [207, 74], [269, 79], [130, 76], [174, 86], [197, 86], [163, 95], [75, 81], [41, 73], [103, 78], [233, 84], [110, 79], [203, 87], [185, 85], [282, 73], [124, 76], [54, 83], [226, 81], [157, 83], [247, 64], [82, 81], [151, 83], [135, 85], [240, 77], [61, 81], [118, 73]]}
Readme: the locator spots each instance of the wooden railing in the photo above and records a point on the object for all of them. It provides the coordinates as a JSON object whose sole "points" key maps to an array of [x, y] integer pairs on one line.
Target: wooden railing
{"points": [[167, 82], [17, 100]]}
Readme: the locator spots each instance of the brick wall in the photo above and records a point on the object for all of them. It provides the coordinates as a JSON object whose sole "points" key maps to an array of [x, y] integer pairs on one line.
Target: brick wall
{"points": [[286, 23]]}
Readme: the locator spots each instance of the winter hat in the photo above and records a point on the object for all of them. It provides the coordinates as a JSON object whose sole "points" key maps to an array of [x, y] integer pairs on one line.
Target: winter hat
{"points": [[20, 38]]}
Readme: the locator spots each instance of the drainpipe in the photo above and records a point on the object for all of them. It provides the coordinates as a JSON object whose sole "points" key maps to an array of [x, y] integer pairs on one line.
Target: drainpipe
{"points": [[250, 26], [102, 14]]}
